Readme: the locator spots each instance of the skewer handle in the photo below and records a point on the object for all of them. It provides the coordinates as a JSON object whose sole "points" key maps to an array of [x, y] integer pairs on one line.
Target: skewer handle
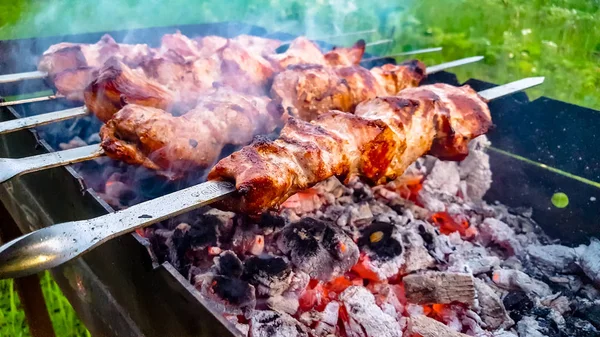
{"points": [[22, 76], [51, 246], [42, 119], [10, 167]]}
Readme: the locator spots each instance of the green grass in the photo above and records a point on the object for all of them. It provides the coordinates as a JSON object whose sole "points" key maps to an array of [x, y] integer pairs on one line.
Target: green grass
{"points": [[559, 39], [12, 317]]}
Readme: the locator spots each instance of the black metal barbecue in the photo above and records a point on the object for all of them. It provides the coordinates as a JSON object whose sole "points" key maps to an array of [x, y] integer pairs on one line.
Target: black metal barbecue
{"points": [[121, 289]]}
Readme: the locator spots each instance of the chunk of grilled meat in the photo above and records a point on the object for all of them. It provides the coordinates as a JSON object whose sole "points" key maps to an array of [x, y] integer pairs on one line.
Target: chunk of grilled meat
{"points": [[117, 85], [307, 91], [173, 145], [70, 56], [304, 51], [378, 143]]}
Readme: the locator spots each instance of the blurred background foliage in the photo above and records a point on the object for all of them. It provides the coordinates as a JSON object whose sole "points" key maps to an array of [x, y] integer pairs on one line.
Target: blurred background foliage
{"points": [[559, 39]]}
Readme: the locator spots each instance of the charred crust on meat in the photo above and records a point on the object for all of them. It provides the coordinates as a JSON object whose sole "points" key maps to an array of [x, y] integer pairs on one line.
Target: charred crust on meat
{"points": [[378, 239]]}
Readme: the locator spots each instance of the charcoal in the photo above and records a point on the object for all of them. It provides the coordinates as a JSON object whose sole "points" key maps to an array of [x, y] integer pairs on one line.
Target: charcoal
{"points": [[271, 222], [497, 232], [554, 258], [271, 275], [318, 248], [287, 304], [416, 255], [379, 242], [511, 279], [590, 261], [579, 327], [365, 316], [491, 308], [518, 304], [269, 323], [228, 294], [475, 170], [439, 287], [529, 327], [589, 312], [328, 319], [420, 325], [228, 264]]}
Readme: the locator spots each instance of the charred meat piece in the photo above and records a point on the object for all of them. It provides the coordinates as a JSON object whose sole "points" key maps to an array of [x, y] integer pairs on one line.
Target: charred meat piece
{"points": [[173, 145], [270, 275], [307, 91], [318, 248], [378, 143], [117, 85]]}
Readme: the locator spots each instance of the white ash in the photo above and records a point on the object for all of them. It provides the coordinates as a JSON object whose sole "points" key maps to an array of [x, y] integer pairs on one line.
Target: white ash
{"points": [[275, 324], [590, 261], [554, 258], [283, 303], [362, 309], [497, 232], [416, 255], [511, 279], [328, 319], [472, 258], [490, 307], [474, 171], [529, 327]]}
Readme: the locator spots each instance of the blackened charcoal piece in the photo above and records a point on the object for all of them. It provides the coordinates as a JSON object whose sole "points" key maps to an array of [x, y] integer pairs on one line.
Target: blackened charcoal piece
{"points": [[579, 327], [275, 324], [229, 294], [204, 231], [590, 313], [271, 275], [518, 304], [271, 221], [318, 248], [378, 239], [228, 264]]}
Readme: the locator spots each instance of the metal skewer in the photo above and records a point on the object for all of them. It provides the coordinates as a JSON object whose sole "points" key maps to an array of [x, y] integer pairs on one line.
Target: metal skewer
{"points": [[32, 75], [52, 246], [31, 100], [41, 119], [14, 167], [51, 117], [412, 52]]}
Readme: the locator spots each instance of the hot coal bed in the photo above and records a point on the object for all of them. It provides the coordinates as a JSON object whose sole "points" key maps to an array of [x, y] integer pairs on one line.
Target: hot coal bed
{"points": [[422, 256]]}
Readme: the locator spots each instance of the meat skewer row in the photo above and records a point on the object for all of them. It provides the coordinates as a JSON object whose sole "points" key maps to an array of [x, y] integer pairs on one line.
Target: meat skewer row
{"points": [[377, 143], [20, 257], [128, 129]]}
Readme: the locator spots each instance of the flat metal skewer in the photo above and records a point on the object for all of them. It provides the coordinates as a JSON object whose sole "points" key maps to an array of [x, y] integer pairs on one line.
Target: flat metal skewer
{"points": [[12, 167], [54, 245], [31, 75], [412, 52], [41, 119], [31, 100], [51, 117]]}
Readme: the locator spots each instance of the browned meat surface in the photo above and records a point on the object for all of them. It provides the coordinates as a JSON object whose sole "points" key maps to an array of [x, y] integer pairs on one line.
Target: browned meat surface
{"points": [[173, 145], [117, 85], [378, 143], [72, 82], [64, 56], [346, 56], [258, 45], [307, 91]]}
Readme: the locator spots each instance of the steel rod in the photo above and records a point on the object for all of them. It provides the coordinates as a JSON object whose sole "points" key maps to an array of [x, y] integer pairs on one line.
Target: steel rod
{"points": [[31, 75], [41, 119], [51, 246], [412, 52], [376, 43], [451, 64], [12, 167], [31, 100]]}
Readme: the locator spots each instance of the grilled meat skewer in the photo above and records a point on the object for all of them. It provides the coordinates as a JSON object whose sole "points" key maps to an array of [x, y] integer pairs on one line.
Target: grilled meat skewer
{"points": [[306, 91], [173, 145], [378, 143]]}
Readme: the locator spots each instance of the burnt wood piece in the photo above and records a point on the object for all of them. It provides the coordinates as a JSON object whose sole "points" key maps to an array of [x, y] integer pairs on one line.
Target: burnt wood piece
{"points": [[424, 326], [439, 287], [491, 308], [28, 288]]}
